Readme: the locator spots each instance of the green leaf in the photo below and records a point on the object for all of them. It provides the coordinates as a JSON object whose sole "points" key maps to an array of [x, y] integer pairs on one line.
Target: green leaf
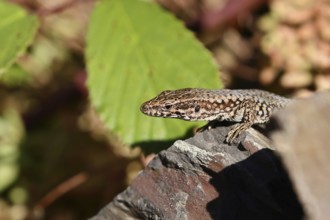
{"points": [[17, 29], [15, 76], [135, 50], [11, 133]]}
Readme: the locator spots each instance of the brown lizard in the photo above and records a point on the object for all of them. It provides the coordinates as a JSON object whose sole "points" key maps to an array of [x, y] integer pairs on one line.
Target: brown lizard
{"points": [[247, 107]]}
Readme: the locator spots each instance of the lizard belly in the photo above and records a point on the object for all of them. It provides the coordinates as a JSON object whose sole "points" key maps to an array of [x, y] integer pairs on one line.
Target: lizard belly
{"points": [[230, 117]]}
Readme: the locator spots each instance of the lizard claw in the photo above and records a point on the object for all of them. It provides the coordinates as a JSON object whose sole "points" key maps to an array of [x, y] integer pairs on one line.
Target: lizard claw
{"points": [[236, 131], [231, 136]]}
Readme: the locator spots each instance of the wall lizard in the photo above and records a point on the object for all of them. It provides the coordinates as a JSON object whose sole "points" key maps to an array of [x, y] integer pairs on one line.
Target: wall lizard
{"points": [[246, 107]]}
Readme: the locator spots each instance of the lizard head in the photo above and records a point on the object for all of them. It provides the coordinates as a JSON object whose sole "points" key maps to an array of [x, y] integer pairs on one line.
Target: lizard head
{"points": [[186, 104]]}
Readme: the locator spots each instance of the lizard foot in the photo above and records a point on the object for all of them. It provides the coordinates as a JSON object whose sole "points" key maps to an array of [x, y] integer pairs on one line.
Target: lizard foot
{"points": [[236, 131]]}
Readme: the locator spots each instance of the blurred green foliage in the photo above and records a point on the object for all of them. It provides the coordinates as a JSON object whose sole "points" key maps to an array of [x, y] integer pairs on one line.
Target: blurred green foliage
{"points": [[15, 76], [48, 130], [11, 134], [17, 29]]}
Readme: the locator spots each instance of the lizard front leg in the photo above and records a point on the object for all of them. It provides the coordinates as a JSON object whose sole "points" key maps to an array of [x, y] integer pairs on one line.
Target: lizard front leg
{"points": [[236, 131], [247, 121]]}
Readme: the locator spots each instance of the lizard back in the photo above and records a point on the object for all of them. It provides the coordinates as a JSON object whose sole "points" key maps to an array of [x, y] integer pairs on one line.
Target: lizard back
{"points": [[194, 104]]}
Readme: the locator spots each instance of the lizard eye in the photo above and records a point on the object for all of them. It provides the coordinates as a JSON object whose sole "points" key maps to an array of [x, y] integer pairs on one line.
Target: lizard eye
{"points": [[197, 108], [168, 106]]}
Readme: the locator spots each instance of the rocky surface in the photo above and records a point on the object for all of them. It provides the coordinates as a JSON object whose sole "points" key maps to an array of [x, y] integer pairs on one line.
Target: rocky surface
{"points": [[203, 178], [302, 139]]}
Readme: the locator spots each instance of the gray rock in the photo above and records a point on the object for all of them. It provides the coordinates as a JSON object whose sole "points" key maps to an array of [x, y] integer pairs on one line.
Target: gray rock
{"points": [[203, 178], [302, 138]]}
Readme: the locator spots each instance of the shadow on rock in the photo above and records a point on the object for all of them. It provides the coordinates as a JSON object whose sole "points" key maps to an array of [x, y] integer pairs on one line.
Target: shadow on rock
{"points": [[256, 188]]}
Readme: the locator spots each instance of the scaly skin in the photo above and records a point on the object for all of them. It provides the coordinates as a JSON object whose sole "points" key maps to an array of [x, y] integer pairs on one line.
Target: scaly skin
{"points": [[247, 107]]}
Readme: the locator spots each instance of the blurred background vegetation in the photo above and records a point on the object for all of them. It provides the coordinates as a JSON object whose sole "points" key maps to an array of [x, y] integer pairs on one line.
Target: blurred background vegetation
{"points": [[62, 157]]}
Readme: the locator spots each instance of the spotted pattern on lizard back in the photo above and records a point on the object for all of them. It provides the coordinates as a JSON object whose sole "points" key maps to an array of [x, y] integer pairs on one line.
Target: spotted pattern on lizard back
{"points": [[247, 107]]}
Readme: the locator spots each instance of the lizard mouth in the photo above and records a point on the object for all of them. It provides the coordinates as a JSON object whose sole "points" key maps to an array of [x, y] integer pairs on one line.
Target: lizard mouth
{"points": [[150, 111], [186, 118]]}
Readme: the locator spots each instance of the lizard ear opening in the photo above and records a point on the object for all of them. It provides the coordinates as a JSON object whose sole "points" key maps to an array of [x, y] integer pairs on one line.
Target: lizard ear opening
{"points": [[168, 106], [197, 108]]}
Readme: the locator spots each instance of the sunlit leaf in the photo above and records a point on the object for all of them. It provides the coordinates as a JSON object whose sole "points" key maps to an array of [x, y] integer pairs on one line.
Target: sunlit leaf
{"points": [[134, 51]]}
